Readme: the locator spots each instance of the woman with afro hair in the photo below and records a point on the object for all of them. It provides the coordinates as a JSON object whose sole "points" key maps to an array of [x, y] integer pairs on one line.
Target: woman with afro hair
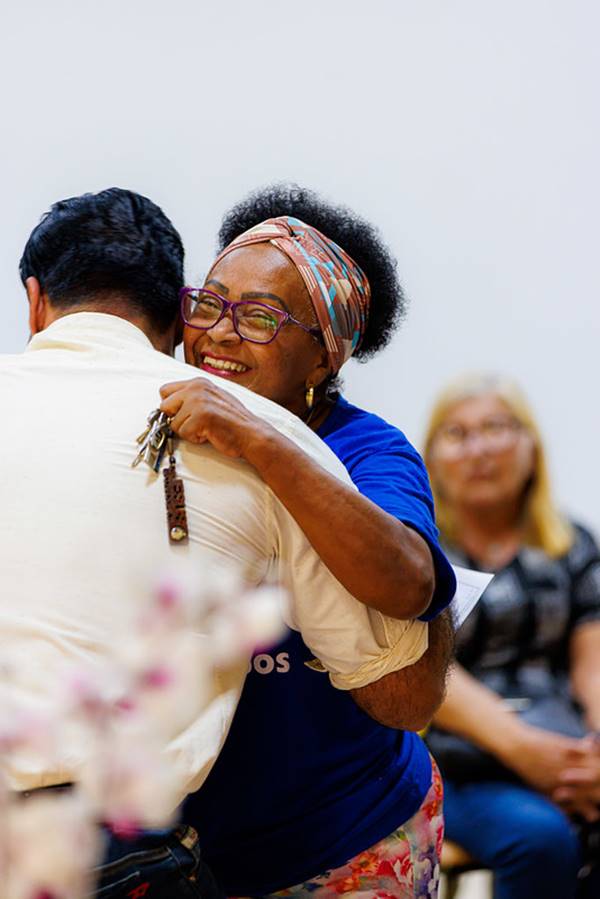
{"points": [[310, 794]]}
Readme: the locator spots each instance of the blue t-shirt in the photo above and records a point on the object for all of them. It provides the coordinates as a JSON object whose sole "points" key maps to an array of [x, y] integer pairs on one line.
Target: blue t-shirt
{"points": [[306, 780]]}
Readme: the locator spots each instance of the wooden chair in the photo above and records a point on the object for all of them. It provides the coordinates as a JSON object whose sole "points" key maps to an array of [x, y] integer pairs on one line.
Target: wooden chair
{"points": [[455, 862]]}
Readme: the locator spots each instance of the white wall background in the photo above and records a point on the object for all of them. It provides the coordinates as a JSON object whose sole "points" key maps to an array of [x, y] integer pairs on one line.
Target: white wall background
{"points": [[467, 130]]}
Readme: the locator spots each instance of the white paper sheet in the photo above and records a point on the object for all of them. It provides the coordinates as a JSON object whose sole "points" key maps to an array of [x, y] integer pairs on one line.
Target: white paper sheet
{"points": [[469, 587]]}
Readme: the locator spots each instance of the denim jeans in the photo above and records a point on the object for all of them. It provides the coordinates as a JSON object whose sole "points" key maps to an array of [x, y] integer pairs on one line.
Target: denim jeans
{"points": [[156, 865], [531, 846]]}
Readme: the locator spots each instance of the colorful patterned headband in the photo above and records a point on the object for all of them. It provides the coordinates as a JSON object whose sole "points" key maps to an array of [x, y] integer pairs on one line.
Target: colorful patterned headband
{"points": [[338, 288]]}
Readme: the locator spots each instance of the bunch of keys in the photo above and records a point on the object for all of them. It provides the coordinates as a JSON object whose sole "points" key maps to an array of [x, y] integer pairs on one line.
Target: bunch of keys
{"points": [[155, 441]]}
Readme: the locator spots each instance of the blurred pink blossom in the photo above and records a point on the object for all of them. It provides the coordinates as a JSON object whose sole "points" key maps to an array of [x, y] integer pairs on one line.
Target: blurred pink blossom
{"points": [[126, 709]]}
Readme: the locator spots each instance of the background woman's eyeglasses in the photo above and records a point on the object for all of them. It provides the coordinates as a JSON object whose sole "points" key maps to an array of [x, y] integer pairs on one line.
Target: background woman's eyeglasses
{"points": [[256, 322], [494, 434]]}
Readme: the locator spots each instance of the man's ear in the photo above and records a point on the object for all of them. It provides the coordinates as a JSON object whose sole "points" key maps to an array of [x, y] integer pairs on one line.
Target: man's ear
{"points": [[178, 336], [164, 341], [38, 305]]}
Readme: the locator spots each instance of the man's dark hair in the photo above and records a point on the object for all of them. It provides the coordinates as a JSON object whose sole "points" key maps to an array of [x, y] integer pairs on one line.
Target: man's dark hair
{"points": [[111, 246], [351, 232]]}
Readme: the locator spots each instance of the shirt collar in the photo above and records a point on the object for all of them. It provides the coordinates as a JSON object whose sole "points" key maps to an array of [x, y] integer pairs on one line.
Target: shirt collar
{"points": [[96, 328]]}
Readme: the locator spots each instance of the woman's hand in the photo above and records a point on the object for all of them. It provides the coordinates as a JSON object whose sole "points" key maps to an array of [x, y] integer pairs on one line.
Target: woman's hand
{"points": [[201, 412], [541, 758], [579, 790], [566, 770], [546, 761]]}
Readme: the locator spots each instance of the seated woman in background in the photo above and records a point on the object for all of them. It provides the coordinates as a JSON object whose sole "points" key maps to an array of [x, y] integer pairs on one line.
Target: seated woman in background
{"points": [[310, 795], [531, 645]]}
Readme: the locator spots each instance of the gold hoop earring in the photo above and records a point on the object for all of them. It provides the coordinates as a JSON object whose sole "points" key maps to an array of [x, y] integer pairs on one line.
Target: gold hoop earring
{"points": [[310, 397]]}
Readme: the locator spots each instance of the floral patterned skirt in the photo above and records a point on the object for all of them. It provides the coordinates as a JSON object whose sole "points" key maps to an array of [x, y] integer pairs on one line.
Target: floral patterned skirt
{"points": [[404, 865]]}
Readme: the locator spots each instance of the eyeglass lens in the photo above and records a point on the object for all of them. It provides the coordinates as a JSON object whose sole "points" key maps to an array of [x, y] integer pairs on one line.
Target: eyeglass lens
{"points": [[254, 321], [494, 434]]}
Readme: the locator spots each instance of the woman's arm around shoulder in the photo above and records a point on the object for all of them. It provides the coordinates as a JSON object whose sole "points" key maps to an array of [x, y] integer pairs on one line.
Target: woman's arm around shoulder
{"points": [[379, 560]]}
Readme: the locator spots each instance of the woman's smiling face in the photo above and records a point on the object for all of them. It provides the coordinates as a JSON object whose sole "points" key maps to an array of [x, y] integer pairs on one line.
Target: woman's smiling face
{"points": [[281, 370], [481, 455]]}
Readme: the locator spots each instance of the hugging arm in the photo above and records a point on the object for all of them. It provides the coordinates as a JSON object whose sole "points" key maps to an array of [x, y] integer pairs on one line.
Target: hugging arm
{"points": [[384, 564], [380, 561], [408, 699]]}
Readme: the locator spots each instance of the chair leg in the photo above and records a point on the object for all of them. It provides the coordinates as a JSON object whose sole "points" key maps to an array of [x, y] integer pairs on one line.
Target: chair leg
{"points": [[452, 880]]}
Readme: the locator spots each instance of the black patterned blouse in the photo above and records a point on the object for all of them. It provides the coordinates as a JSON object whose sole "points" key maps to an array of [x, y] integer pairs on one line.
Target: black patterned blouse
{"points": [[516, 640]]}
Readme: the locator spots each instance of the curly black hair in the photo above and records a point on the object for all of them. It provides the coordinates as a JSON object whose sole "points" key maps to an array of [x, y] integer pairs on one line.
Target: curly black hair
{"points": [[357, 237]]}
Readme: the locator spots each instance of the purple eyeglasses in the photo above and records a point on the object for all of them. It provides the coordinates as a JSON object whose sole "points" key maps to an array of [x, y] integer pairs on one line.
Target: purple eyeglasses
{"points": [[256, 322]]}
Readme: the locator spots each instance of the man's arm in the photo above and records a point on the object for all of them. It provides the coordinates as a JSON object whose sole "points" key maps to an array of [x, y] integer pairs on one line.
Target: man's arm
{"points": [[408, 699]]}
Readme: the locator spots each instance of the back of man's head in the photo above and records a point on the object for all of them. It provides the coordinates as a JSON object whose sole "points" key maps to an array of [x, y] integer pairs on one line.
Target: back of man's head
{"points": [[115, 250]]}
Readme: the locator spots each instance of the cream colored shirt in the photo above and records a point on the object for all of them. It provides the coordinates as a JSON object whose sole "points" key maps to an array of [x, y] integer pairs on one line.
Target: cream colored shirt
{"points": [[82, 533]]}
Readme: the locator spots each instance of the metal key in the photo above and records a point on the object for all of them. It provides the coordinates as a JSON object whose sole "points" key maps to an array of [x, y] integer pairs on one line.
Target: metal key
{"points": [[156, 440], [139, 457], [153, 441], [157, 443], [151, 420], [143, 437]]}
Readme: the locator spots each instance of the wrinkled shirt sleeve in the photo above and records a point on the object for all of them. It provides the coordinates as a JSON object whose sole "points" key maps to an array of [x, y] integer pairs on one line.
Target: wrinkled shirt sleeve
{"points": [[357, 645]]}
